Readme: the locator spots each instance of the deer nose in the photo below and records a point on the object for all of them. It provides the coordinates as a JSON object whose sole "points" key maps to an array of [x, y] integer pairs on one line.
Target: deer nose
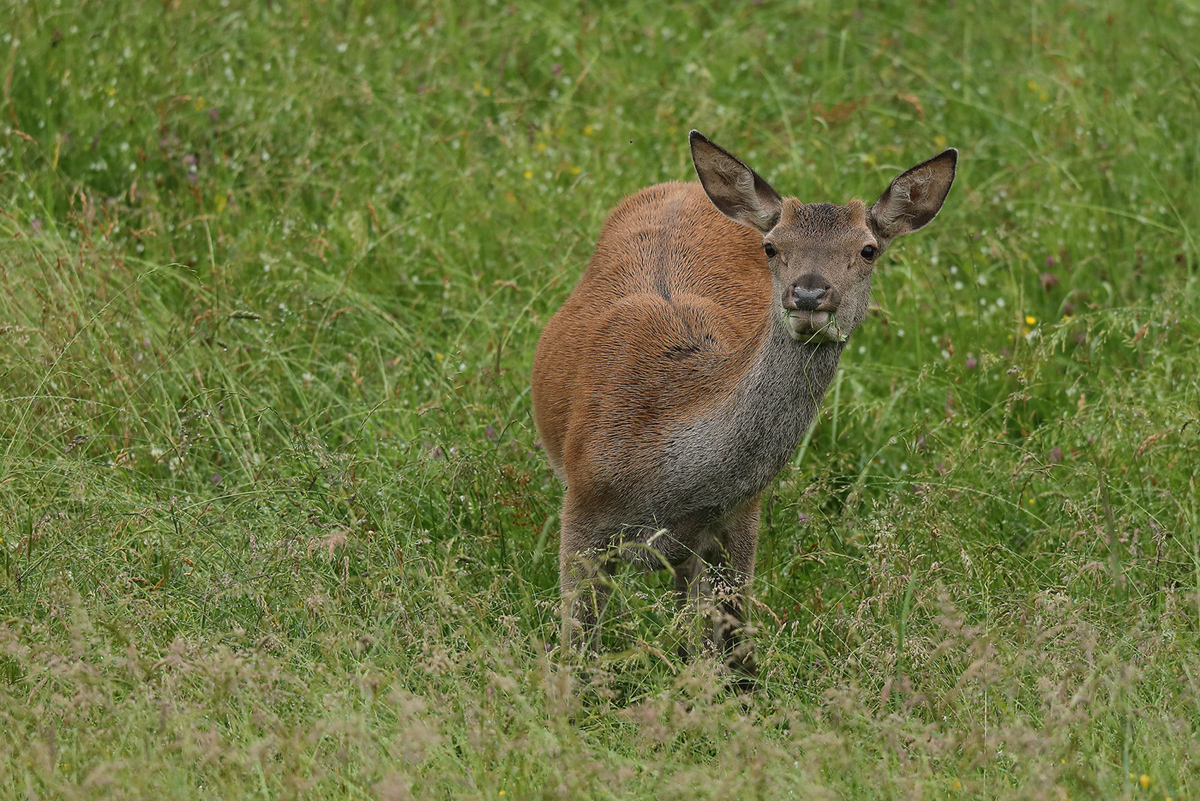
{"points": [[811, 293]]}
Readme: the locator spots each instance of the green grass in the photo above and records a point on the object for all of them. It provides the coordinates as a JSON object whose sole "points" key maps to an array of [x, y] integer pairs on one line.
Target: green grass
{"points": [[273, 518]]}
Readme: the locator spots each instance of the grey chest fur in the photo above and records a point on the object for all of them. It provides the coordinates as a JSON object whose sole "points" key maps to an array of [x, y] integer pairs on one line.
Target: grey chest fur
{"points": [[729, 456]]}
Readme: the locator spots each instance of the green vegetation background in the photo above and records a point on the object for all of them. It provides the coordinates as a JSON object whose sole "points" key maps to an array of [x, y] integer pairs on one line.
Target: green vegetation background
{"points": [[273, 519]]}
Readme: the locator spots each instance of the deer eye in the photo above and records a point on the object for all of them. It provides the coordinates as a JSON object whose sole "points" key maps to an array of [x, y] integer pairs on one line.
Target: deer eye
{"points": [[870, 252], [771, 251]]}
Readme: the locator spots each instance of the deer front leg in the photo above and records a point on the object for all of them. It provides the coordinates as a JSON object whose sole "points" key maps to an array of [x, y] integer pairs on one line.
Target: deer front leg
{"points": [[732, 575], [713, 588], [691, 590]]}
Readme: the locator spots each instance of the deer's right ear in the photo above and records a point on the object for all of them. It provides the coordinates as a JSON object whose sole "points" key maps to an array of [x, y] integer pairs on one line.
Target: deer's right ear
{"points": [[737, 191]]}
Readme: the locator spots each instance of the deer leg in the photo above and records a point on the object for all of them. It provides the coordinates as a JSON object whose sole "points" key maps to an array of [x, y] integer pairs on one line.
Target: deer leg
{"points": [[691, 588], [732, 574], [586, 588], [584, 581]]}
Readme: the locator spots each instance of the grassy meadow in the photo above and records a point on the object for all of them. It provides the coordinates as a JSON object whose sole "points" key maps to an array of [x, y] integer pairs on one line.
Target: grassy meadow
{"points": [[274, 522]]}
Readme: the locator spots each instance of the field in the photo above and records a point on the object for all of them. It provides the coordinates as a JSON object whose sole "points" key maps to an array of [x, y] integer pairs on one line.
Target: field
{"points": [[274, 522]]}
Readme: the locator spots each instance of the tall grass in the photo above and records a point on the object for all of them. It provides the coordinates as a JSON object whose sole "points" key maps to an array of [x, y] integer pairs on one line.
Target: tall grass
{"points": [[273, 516]]}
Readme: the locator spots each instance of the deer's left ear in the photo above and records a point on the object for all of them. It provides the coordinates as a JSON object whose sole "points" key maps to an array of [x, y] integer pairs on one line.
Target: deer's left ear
{"points": [[915, 197]]}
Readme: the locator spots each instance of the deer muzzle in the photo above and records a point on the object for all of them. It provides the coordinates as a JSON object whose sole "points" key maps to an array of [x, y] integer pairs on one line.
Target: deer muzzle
{"points": [[810, 305]]}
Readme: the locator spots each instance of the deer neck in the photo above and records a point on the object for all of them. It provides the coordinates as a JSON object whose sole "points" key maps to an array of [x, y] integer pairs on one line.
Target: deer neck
{"points": [[783, 387], [728, 456]]}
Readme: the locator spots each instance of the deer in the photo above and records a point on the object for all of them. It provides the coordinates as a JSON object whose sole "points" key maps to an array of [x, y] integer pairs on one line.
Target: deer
{"points": [[678, 378]]}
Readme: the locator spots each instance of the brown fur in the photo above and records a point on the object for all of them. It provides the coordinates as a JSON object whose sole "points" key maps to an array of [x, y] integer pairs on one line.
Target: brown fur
{"points": [[655, 320], [676, 380]]}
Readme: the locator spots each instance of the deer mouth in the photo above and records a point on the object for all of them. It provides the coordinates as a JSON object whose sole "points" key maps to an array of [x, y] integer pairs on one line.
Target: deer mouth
{"points": [[813, 326]]}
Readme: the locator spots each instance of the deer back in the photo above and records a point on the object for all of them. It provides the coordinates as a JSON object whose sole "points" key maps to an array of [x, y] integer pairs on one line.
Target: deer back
{"points": [[665, 317]]}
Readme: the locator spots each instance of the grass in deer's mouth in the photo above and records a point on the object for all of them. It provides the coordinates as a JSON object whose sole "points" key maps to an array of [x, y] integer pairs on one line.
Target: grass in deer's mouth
{"points": [[837, 331], [273, 518], [830, 325]]}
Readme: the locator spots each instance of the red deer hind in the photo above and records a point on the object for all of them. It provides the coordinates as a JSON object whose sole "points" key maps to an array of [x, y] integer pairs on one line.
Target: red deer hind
{"points": [[681, 373]]}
